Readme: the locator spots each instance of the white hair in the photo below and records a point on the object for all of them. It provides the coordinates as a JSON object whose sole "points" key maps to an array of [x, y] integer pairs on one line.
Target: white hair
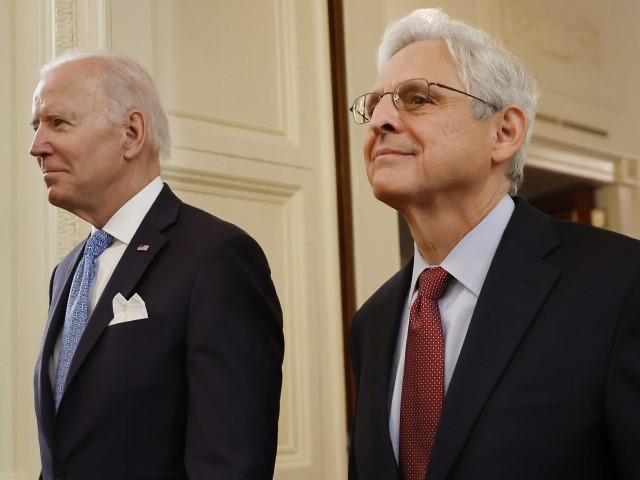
{"points": [[125, 85], [486, 68]]}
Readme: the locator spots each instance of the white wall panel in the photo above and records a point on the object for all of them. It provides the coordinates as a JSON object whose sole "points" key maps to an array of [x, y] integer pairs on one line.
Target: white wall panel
{"points": [[247, 89]]}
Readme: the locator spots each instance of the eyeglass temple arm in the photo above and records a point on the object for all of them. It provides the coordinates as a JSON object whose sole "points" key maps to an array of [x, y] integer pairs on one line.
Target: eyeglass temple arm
{"points": [[464, 93]]}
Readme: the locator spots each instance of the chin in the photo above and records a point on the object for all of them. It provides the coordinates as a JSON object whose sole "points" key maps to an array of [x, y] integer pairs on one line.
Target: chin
{"points": [[56, 198], [392, 198]]}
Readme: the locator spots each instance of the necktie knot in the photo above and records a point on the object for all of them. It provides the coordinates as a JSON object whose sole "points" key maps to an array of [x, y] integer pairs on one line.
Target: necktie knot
{"points": [[433, 282], [97, 243]]}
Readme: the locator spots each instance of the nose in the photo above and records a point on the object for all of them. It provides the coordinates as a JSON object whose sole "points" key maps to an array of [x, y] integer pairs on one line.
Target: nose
{"points": [[385, 117], [40, 147]]}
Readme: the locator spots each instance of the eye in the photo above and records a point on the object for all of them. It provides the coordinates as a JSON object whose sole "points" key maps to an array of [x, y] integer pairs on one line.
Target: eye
{"points": [[370, 103], [414, 98], [58, 122]]}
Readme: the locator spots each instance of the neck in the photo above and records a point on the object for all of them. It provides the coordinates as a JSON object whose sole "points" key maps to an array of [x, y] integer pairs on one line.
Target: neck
{"points": [[100, 209], [439, 226]]}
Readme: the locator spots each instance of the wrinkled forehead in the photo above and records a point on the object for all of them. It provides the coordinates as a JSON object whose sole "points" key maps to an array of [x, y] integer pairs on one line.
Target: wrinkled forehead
{"points": [[428, 59], [67, 92], [68, 82]]}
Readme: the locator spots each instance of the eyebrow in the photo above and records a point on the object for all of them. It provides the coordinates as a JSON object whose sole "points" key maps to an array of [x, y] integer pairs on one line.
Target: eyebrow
{"points": [[47, 117]]}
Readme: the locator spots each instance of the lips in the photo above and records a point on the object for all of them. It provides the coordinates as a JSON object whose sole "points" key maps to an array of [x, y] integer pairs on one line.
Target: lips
{"points": [[50, 174], [47, 168], [389, 152]]}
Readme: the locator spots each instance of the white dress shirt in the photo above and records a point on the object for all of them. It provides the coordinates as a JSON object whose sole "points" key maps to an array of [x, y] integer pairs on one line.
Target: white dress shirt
{"points": [[468, 264], [122, 226]]}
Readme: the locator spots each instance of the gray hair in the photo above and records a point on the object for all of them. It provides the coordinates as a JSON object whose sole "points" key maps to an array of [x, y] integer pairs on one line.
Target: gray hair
{"points": [[125, 85], [486, 68]]}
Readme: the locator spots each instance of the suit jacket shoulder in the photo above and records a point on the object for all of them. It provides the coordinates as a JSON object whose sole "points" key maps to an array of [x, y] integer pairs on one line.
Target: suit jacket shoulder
{"points": [[198, 379]]}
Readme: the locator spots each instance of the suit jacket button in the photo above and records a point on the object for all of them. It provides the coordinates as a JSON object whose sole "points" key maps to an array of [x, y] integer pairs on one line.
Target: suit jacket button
{"points": [[60, 473]]}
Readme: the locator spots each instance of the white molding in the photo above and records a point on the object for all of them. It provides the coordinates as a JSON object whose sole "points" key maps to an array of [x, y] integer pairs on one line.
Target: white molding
{"points": [[630, 171], [601, 166], [65, 38], [65, 25], [223, 122], [70, 230], [93, 24], [554, 156], [228, 185], [10, 476]]}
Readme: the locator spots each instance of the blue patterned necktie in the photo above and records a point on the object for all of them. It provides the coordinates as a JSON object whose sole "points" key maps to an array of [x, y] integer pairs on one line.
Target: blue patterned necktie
{"points": [[76, 318]]}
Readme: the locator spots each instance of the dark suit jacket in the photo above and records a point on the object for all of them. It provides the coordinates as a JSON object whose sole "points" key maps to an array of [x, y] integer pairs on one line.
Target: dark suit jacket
{"points": [[192, 391], [547, 385]]}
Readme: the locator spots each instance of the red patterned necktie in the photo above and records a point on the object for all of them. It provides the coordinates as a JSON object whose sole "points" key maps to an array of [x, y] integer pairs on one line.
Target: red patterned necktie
{"points": [[423, 381]]}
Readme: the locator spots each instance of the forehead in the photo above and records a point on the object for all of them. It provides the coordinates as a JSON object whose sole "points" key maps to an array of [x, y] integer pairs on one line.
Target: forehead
{"points": [[67, 85], [429, 59]]}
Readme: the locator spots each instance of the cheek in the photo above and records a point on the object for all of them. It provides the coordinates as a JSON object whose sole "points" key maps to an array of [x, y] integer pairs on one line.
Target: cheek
{"points": [[367, 147], [105, 151]]}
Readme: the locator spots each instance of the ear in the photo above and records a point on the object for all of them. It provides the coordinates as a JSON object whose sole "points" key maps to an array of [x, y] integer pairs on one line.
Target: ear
{"points": [[511, 130], [136, 134]]}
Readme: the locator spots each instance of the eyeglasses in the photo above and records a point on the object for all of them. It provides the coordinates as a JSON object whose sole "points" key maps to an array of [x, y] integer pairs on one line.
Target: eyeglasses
{"points": [[408, 95]]}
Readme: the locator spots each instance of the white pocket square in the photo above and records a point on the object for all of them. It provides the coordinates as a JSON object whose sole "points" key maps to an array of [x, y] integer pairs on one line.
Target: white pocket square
{"points": [[128, 310]]}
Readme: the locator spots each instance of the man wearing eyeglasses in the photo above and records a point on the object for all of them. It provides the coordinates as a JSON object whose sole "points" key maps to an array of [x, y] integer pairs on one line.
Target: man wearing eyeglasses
{"points": [[509, 346]]}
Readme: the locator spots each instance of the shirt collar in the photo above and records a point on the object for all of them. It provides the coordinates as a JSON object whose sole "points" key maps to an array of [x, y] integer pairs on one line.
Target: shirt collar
{"points": [[125, 222], [470, 259]]}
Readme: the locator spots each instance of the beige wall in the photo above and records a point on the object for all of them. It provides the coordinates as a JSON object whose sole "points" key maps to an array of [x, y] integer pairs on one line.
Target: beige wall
{"points": [[298, 188], [248, 98], [24, 277], [6, 290]]}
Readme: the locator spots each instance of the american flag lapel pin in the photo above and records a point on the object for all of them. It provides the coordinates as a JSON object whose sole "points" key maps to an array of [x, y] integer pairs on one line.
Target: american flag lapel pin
{"points": [[143, 248]]}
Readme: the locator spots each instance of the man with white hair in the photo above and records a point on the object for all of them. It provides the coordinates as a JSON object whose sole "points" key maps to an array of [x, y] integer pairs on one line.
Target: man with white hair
{"points": [[509, 346], [163, 348]]}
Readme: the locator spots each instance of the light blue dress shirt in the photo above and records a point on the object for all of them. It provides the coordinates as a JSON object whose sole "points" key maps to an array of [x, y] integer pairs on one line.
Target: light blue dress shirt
{"points": [[468, 264]]}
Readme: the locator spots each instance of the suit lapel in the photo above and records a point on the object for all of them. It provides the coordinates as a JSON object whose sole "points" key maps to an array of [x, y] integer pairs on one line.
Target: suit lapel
{"points": [[382, 328], [57, 310], [128, 272], [516, 286]]}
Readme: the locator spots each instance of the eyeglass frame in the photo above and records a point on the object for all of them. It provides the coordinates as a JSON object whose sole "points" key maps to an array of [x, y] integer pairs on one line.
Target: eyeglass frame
{"points": [[395, 97]]}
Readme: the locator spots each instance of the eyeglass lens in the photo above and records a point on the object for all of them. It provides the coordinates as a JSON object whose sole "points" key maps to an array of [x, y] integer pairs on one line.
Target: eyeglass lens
{"points": [[406, 96]]}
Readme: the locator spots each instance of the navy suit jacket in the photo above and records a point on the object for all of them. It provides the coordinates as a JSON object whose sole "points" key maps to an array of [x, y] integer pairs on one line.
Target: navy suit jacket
{"points": [[190, 392], [547, 385]]}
